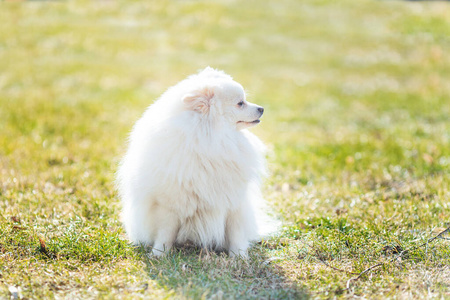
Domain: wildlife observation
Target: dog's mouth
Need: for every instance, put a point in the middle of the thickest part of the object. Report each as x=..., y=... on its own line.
x=249, y=123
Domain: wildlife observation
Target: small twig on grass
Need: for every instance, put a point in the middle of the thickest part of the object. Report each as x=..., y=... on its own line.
x=336, y=269
x=326, y=264
x=363, y=272
x=330, y=266
x=437, y=237
x=396, y=257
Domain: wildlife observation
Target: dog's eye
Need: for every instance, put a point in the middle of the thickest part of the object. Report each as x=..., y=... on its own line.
x=240, y=104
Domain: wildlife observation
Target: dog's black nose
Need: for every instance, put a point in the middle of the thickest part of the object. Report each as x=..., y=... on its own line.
x=261, y=110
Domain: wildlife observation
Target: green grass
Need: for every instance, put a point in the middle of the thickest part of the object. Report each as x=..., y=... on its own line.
x=357, y=123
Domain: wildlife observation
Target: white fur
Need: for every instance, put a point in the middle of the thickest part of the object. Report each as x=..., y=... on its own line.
x=192, y=172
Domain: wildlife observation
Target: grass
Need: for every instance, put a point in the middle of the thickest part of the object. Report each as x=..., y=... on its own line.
x=357, y=123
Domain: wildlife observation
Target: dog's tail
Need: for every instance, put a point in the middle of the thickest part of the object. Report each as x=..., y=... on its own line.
x=267, y=224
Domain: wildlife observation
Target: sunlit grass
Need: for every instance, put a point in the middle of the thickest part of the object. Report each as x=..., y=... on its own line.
x=357, y=124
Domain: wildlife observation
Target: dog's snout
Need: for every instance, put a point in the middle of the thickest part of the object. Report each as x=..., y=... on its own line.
x=261, y=110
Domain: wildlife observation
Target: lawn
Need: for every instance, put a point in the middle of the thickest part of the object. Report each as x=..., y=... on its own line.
x=357, y=121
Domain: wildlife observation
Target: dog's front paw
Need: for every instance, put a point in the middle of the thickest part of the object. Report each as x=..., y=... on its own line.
x=238, y=252
x=157, y=253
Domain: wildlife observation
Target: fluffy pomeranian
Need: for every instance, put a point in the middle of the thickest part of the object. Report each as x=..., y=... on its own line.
x=192, y=171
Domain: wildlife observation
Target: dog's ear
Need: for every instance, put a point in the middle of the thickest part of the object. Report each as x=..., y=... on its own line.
x=199, y=100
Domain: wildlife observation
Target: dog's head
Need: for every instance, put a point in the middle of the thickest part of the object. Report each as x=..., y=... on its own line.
x=217, y=96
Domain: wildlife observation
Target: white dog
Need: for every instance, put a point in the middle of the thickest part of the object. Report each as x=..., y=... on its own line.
x=192, y=170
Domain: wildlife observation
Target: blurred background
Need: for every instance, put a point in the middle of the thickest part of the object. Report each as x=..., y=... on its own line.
x=328, y=72
x=355, y=95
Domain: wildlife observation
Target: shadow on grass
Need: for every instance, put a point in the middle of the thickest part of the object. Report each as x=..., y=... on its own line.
x=193, y=273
